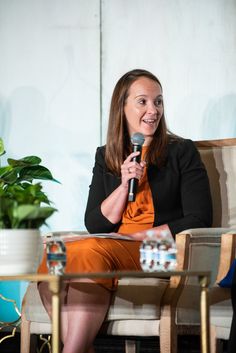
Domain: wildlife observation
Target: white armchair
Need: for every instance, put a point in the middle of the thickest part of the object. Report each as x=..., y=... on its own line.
x=202, y=246
x=152, y=307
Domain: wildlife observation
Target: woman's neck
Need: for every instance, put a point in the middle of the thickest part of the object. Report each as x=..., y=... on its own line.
x=148, y=140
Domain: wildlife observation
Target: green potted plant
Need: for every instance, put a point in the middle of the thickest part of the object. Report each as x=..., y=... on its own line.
x=24, y=208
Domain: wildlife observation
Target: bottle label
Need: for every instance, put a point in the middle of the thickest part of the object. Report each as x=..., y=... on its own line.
x=56, y=256
x=157, y=255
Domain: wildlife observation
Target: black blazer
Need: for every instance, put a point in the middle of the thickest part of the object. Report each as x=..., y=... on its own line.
x=180, y=191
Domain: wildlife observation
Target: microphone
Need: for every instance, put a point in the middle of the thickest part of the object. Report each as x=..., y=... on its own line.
x=137, y=141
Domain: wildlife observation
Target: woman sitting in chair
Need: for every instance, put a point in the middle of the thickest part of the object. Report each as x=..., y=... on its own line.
x=173, y=195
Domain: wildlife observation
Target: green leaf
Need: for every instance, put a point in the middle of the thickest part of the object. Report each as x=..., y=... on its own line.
x=24, y=162
x=20, y=199
x=31, y=212
x=2, y=150
x=6, y=207
x=9, y=177
x=36, y=172
x=5, y=170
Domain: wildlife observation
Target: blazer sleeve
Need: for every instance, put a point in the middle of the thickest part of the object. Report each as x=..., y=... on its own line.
x=194, y=190
x=95, y=221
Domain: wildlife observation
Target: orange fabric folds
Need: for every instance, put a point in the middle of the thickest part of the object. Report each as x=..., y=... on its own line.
x=139, y=215
x=100, y=255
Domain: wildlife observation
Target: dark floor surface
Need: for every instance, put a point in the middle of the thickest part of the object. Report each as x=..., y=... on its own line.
x=186, y=344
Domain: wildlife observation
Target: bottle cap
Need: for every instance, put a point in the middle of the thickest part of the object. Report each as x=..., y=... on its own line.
x=150, y=233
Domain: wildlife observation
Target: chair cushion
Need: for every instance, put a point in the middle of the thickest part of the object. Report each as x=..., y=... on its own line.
x=34, y=309
x=221, y=314
x=135, y=299
x=132, y=328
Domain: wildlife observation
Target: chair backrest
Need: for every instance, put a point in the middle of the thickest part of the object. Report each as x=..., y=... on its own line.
x=200, y=249
x=219, y=157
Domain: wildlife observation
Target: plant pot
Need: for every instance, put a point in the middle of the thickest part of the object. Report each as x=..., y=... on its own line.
x=21, y=251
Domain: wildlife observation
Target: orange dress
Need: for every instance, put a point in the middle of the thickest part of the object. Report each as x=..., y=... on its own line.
x=139, y=215
x=107, y=255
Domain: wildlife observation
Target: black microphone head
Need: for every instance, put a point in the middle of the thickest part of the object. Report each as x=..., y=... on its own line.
x=137, y=139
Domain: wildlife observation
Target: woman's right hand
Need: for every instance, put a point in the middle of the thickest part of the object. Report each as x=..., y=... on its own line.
x=131, y=169
x=114, y=205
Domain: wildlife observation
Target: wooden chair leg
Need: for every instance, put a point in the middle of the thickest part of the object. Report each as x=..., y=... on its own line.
x=130, y=346
x=168, y=331
x=24, y=334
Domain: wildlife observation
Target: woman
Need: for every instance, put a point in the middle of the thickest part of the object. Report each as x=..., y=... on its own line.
x=173, y=195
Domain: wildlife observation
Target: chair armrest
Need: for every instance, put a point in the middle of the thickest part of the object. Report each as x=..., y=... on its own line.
x=205, y=231
x=189, y=241
x=198, y=249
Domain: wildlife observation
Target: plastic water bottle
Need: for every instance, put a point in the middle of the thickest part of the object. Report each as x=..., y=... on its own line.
x=56, y=256
x=158, y=252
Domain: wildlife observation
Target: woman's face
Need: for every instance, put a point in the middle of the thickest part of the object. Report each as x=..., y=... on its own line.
x=144, y=108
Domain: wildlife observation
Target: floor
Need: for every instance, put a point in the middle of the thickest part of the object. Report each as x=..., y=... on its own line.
x=186, y=344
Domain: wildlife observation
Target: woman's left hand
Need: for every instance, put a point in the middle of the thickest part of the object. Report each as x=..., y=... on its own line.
x=158, y=232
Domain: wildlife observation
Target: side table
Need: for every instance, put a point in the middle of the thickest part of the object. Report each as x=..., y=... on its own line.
x=55, y=287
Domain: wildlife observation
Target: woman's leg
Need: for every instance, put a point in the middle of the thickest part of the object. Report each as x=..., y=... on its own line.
x=46, y=297
x=84, y=307
x=86, y=303
x=85, y=310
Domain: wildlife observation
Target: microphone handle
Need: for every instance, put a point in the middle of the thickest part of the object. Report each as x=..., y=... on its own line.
x=133, y=183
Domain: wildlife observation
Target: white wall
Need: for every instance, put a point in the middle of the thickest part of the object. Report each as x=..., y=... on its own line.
x=51, y=52
x=190, y=45
x=49, y=93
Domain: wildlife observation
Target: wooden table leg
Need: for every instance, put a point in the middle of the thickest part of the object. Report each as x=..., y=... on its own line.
x=55, y=287
x=204, y=309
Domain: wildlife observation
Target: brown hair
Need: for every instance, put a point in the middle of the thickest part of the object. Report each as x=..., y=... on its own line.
x=118, y=145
